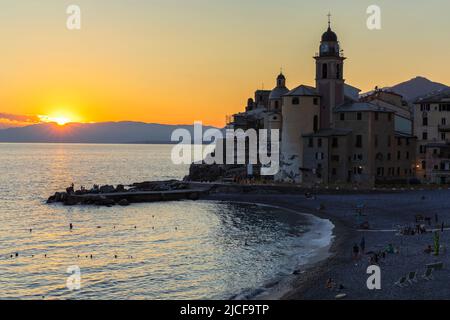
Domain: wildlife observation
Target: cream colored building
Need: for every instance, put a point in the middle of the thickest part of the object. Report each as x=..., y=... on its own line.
x=403, y=118
x=331, y=135
x=301, y=114
x=363, y=148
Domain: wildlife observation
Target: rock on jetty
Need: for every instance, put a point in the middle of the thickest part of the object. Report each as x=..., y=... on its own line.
x=201, y=172
x=108, y=195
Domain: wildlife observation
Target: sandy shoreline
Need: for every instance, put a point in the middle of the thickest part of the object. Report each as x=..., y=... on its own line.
x=384, y=212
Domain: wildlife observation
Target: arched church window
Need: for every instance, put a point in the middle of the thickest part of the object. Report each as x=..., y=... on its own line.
x=338, y=71
x=295, y=100
x=276, y=105
x=324, y=71
x=316, y=123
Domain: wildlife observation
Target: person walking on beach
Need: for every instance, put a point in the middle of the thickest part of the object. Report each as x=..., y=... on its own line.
x=363, y=245
x=329, y=285
x=355, y=252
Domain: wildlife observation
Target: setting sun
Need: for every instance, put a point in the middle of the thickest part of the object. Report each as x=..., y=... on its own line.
x=58, y=118
x=61, y=121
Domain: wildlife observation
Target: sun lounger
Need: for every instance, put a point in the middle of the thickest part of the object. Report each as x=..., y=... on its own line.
x=439, y=266
x=402, y=282
x=436, y=266
x=412, y=277
x=428, y=275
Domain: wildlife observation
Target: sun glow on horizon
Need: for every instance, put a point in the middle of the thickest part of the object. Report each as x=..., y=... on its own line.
x=60, y=118
x=91, y=76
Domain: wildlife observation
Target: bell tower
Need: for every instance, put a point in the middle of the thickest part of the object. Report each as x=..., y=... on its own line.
x=329, y=75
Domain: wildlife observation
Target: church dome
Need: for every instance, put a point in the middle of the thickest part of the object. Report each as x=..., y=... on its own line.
x=329, y=36
x=278, y=92
x=280, y=89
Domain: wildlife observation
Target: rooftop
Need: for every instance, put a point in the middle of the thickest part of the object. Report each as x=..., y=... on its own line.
x=278, y=92
x=329, y=132
x=355, y=106
x=435, y=97
x=303, y=90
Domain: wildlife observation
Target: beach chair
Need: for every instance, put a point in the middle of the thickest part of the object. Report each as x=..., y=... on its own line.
x=428, y=275
x=360, y=206
x=439, y=266
x=436, y=266
x=402, y=282
x=412, y=277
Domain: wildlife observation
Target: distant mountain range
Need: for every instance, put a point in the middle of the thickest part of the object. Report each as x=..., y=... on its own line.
x=415, y=88
x=101, y=132
x=418, y=87
x=139, y=132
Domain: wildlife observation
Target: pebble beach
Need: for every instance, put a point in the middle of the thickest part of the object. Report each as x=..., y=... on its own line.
x=386, y=212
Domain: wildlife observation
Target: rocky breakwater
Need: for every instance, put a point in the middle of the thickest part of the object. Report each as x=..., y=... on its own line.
x=108, y=195
x=201, y=172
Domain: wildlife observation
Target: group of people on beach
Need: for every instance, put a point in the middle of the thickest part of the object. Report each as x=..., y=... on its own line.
x=332, y=285
x=249, y=180
x=410, y=231
x=421, y=228
x=374, y=257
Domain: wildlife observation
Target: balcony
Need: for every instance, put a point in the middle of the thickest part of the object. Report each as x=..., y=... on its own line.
x=444, y=128
x=440, y=172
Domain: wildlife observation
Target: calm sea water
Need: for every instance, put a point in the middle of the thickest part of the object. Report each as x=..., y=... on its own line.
x=176, y=250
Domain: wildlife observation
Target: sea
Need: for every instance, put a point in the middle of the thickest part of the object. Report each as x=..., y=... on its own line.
x=168, y=250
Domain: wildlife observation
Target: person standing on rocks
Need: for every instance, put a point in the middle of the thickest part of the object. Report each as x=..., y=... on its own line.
x=362, y=245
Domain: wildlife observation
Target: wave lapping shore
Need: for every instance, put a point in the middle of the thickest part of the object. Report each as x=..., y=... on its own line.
x=374, y=217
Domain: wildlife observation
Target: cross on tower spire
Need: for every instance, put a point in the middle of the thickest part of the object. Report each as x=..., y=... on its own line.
x=329, y=20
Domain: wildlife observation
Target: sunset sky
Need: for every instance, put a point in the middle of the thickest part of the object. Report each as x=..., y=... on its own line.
x=176, y=61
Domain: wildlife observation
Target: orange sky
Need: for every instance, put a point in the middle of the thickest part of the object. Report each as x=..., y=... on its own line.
x=174, y=61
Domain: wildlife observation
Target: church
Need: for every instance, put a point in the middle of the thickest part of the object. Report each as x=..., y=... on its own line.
x=330, y=134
